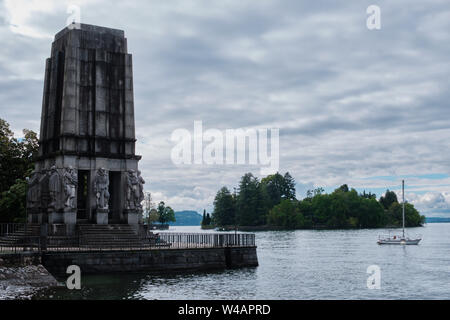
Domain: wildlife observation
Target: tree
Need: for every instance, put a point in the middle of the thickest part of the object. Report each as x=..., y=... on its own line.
x=289, y=187
x=148, y=206
x=13, y=202
x=203, y=223
x=342, y=209
x=166, y=214
x=273, y=186
x=372, y=214
x=153, y=216
x=287, y=215
x=251, y=202
x=16, y=163
x=17, y=157
x=314, y=192
x=388, y=199
x=369, y=195
x=224, y=213
x=208, y=219
x=343, y=188
x=278, y=187
x=412, y=216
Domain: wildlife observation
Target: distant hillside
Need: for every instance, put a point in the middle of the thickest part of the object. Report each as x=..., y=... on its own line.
x=436, y=220
x=187, y=218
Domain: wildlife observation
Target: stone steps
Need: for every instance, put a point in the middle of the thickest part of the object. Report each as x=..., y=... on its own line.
x=20, y=235
x=88, y=236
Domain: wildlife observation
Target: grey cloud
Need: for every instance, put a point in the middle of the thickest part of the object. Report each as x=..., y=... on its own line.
x=349, y=102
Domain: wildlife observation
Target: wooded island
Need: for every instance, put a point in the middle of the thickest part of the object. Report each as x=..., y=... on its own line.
x=272, y=203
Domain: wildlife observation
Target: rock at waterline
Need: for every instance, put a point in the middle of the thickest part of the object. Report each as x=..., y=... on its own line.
x=18, y=282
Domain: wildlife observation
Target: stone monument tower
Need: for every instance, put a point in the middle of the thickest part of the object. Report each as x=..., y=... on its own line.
x=87, y=170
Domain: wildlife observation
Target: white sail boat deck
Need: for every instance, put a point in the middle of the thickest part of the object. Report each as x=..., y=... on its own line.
x=402, y=239
x=398, y=240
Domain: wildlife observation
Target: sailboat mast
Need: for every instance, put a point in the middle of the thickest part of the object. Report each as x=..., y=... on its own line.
x=403, y=206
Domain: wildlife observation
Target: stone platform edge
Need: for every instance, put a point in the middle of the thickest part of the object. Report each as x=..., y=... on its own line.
x=151, y=261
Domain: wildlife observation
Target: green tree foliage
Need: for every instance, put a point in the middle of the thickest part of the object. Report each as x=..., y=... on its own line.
x=289, y=187
x=224, y=208
x=13, y=202
x=346, y=208
x=166, y=214
x=314, y=192
x=208, y=219
x=251, y=202
x=278, y=187
x=16, y=157
x=204, y=218
x=16, y=163
x=388, y=199
x=412, y=216
x=286, y=214
x=272, y=202
x=153, y=216
x=343, y=188
x=369, y=195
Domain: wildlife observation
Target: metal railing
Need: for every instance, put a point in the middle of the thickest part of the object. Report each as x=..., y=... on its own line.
x=163, y=240
x=206, y=240
x=9, y=242
x=23, y=244
x=11, y=228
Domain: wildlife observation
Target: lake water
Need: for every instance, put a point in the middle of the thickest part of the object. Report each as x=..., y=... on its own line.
x=302, y=264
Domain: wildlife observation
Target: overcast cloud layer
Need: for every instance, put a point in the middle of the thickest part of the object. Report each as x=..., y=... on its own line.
x=354, y=106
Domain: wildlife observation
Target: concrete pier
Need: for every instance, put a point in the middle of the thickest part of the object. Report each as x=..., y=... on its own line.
x=151, y=261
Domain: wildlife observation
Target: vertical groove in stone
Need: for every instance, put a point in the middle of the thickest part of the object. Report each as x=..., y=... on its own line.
x=58, y=101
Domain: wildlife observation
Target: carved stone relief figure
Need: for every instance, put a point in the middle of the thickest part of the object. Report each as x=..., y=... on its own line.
x=141, y=183
x=33, y=198
x=70, y=181
x=54, y=188
x=101, y=184
x=132, y=189
x=44, y=197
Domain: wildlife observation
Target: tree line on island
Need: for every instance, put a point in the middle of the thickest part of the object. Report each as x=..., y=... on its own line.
x=272, y=203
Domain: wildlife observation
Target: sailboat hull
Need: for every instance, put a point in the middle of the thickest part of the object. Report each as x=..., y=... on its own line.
x=399, y=241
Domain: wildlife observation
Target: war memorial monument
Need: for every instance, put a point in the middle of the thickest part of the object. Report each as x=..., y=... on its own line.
x=87, y=170
x=84, y=195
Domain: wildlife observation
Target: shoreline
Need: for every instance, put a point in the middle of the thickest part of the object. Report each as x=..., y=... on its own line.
x=22, y=279
x=276, y=228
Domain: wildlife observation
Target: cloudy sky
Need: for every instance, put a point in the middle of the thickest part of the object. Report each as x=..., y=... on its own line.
x=356, y=106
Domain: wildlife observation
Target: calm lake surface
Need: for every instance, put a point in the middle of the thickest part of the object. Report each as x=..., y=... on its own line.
x=303, y=264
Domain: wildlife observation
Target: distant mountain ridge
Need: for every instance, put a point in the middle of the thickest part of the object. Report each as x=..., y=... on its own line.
x=187, y=218
x=436, y=220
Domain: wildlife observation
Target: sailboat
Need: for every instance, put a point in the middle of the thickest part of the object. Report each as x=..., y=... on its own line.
x=403, y=240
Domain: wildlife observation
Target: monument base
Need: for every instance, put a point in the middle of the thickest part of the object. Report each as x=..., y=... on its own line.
x=55, y=217
x=63, y=223
x=101, y=216
x=35, y=218
x=70, y=220
x=132, y=216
